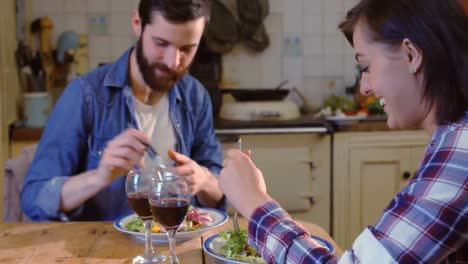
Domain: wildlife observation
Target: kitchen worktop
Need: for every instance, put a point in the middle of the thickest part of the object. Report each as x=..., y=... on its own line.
x=304, y=124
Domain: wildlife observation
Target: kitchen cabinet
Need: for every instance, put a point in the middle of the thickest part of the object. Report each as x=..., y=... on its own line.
x=9, y=85
x=296, y=168
x=369, y=169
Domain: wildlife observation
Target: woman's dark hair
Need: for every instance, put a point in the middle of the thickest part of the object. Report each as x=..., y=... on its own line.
x=176, y=11
x=439, y=28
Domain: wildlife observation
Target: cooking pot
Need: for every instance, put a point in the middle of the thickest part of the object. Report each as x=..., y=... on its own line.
x=243, y=95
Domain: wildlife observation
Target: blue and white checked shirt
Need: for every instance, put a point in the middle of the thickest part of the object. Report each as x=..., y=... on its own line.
x=426, y=222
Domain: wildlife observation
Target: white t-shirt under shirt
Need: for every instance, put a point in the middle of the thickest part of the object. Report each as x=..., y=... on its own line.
x=154, y=120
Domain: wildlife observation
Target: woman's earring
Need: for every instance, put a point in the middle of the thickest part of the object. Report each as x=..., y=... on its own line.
x=413, y=69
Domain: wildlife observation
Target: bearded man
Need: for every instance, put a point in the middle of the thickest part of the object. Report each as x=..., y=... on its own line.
x=104, y=120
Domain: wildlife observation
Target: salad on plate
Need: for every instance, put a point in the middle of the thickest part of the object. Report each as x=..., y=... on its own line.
x=194, y=220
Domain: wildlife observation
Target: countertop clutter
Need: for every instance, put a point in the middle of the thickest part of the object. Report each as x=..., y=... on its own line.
x=303, y=124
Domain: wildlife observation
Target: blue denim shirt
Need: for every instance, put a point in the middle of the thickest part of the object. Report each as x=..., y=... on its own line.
x=92, y=110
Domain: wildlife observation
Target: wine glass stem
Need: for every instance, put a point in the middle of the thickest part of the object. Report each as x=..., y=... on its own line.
x=149, y=251
x=172, y=245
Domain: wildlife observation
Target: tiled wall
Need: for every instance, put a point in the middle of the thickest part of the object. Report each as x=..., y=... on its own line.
x=306, y=47
x=107, y=23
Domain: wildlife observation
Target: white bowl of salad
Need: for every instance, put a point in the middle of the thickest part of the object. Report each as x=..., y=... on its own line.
x=232, y=248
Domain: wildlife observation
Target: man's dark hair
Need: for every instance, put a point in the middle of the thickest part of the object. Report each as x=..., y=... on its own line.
x=176, y=11
x=439, y=29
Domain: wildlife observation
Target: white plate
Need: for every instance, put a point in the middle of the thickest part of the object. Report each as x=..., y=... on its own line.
x=219, y=218
x=213, y=244
x=346, y=120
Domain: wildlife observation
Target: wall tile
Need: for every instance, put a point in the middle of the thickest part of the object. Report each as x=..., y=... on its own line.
x=323, y=55
x=121, y=5
x=313, y=7
x=37, y=9
x=293, y=17
x=314, y=66
x=293, y=71
x=274, y=23
x=134, y=4
x=120, y=45
x=331, y=22
x=277, y=6
x=120, y=25
x=314, y=90
x=231, y=69
x=54, y=7
x=334, y=65
x=333, y=45
x=350, y=71
x=271, y=72
x=98, y=6
x=313, y=24
x=75, y=7
x=348, y=4
x=250, y=64
x=98, y=23
x=95, y=61
x=333, y=6
x=313, y=45
x=59, y=27
x=76, y=22
x=100, y=46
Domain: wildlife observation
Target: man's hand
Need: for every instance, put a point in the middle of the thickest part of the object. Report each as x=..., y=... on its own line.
x=197, y=177
x=121, y=154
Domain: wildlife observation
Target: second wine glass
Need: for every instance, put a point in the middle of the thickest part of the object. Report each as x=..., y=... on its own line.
x=137, y=186
x=169, y=198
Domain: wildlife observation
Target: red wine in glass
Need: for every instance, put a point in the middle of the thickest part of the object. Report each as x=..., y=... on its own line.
x=170, y=212
x=169, y=198
x=140, y=204
x=137, y=185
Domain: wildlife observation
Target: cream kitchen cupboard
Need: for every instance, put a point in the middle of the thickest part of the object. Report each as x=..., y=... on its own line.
x=369, y=169
x=296, y=168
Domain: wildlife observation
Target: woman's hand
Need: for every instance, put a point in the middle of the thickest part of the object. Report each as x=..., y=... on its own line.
x=242, y=183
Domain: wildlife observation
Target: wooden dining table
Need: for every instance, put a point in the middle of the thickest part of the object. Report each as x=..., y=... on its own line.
x=97, y=242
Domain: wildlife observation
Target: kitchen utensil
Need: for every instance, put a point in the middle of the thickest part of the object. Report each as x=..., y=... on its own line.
x=68, y=40
x=244, y=95
x=235, y=221
x=44, y=27
x=306, y=107
x=275, y=94
x=259, y=110
x=81, y=60
x=36, y=109
x=152, y=153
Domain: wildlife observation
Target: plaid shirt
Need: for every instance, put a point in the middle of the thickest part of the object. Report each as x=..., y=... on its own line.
x=426, y=222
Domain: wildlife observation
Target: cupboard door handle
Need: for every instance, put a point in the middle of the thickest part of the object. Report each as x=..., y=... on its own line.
x=310, y=163
x=406, y=175
x=309, y=196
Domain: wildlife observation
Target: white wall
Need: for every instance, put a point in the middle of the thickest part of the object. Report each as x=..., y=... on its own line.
x=306, y=47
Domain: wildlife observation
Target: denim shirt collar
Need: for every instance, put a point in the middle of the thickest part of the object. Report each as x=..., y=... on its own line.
x=119, y=76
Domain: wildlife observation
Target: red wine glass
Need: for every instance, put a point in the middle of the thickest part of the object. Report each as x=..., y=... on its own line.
x=169, y=199
x=137, y=186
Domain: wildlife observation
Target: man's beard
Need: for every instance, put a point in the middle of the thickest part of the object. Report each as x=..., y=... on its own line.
x=150, y=76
